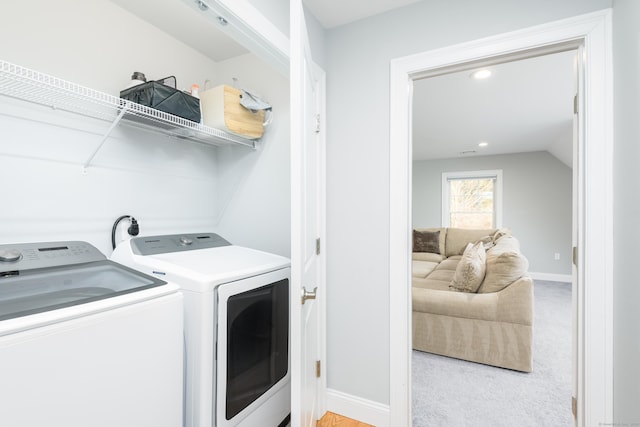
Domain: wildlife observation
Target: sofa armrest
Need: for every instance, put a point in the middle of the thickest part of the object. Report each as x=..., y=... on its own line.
x=455, y=304
x=513, y=304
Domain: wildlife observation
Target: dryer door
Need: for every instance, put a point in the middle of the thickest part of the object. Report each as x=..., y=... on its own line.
x=252, y=347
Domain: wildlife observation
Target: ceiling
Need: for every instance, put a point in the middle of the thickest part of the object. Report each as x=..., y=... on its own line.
x=332, y=13
x=183, y=21
x=524, y=106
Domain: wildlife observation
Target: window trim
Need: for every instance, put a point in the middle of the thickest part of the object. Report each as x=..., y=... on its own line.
x=447, y=176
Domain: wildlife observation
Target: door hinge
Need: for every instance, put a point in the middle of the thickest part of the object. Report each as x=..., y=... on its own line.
x=318, y=246
x=574, y=407
x=318, y=369
x=317, y=123
x=575, y=104
x=575, y=256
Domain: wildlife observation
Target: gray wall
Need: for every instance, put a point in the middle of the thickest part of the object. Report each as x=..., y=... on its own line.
x=358, y=56
x=536, y=202
x=626, y=339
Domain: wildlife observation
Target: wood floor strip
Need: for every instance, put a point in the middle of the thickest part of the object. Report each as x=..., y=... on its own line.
x=334, y=420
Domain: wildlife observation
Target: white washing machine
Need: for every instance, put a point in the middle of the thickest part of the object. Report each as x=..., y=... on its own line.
x=85, y=341
x=236, y=325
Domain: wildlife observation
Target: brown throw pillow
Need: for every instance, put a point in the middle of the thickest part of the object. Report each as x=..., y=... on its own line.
x=426, y=241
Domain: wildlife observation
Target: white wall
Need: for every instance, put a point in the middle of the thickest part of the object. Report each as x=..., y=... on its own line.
x=626, y=339
x=96, y=44
x=536, y=202
x=255, y=194
x=169, y=185
x=276, y=11
x=358, y=58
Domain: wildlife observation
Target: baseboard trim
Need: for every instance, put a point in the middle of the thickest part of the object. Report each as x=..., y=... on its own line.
x=357, y=408
x=551, y=277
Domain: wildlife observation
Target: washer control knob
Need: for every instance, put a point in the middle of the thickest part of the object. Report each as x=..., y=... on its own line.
x=10, y=255
x=185, y=241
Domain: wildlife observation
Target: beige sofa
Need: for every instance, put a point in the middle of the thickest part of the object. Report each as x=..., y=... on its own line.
x=473, y=300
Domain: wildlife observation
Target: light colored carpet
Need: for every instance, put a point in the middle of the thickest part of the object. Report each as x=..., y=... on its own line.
x=449, y=392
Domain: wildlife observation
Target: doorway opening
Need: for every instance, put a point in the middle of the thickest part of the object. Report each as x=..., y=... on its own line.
x=594, y=391
x=513, y=129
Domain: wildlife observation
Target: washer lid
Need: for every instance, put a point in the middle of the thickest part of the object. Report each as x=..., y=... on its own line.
x=38, y=290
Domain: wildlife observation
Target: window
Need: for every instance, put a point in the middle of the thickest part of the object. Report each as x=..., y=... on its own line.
x=472, y=199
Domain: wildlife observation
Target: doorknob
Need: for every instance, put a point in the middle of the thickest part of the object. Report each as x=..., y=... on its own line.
x=308, y=294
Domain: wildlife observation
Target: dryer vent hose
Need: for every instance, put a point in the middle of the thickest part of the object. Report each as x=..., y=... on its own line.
x=133, y=229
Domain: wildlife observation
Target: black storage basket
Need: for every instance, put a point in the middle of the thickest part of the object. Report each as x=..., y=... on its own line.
x=164, y=98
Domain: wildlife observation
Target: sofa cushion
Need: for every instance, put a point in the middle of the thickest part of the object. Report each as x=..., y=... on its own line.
x=429, y=283
x=442, y=275
x=500, y=233
x=489, y=241
x=422, y=268
x=450, y=263
x=426, y=241
x=427, y=256
x=505, y=265
x=457, y=239
x=471, y=269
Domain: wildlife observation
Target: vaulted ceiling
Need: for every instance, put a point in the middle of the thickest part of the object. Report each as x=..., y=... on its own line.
x=526, y=105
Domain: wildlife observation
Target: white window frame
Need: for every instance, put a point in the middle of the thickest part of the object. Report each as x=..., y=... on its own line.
x=497, y=192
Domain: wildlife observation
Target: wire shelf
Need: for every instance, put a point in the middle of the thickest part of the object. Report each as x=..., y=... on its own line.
x=33, y=86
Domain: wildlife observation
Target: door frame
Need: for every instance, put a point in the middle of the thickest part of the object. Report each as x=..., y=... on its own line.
x=595, y=212
x=299, y=52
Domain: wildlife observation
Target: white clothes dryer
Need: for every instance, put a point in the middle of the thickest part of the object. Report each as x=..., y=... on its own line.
x=236, y=325
x=85, y=341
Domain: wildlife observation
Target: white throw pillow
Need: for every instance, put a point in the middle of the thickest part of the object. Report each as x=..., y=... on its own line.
x=471, y=269
x=505, y=265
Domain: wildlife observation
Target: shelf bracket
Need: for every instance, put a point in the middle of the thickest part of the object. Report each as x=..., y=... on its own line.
x=121, y=114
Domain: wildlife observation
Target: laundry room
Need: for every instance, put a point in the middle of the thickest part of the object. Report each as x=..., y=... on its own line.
x=69, y=175
x=144, y=238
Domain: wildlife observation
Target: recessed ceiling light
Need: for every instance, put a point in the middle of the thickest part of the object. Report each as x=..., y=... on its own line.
x=483, y=144
x=481, y=74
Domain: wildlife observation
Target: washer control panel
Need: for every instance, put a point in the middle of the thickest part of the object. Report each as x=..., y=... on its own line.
x=30, y=256
x=153, y=245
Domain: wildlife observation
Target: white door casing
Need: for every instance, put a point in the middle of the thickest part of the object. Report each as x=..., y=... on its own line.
x=307, y=222
x=576, y=220
x=595, y=215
